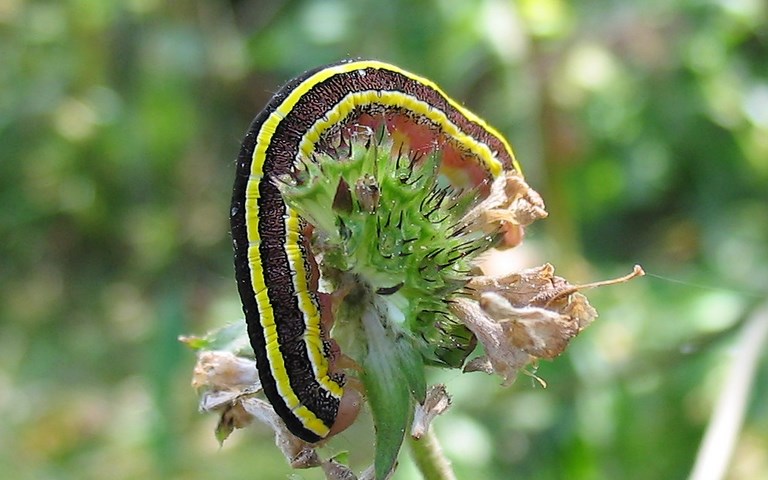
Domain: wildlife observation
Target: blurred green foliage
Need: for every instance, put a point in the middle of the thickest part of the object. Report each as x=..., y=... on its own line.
x=643, y=124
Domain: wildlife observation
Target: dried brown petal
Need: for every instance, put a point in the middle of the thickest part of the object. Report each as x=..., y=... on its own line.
x=524, y=202
x=495, y=199
x=524, y=316
x=218, y=400
x=233, y=416
x=337, y=471
x=539, y=332
x=479, y=364
x=511, y=203
x=436, y=402
x=230, y=382
x=219, y=370
x=505, y=360
x=580, y=310
x=299, y=453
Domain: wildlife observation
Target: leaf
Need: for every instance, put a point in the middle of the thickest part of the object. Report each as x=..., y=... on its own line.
x=388, y=388
x=231, y=338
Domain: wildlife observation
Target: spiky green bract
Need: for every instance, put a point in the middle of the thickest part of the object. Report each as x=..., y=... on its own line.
x=389, y=237
x=409, y=245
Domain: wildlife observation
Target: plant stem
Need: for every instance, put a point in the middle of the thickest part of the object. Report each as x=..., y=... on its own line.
x=429, y=457
x=722, y=435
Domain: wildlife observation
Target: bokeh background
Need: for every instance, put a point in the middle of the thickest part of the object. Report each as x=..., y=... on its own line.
x=643, y=124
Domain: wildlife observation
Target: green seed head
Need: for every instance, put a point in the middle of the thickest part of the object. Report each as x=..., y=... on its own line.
x=392, y=223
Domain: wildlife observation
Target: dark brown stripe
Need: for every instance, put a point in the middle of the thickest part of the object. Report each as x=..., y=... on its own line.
x=277, y=274
x=320, y=98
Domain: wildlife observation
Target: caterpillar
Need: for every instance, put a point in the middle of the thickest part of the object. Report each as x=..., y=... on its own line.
x=275, y=270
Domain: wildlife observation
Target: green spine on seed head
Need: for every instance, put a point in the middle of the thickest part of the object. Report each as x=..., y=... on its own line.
x=393, y=221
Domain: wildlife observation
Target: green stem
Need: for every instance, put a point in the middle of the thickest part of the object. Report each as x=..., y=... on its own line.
x=429, y=457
